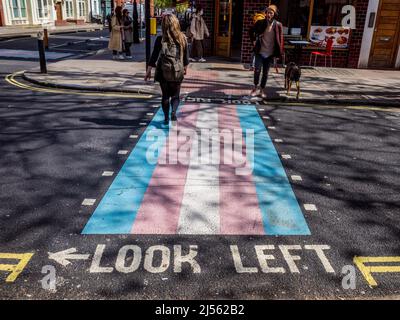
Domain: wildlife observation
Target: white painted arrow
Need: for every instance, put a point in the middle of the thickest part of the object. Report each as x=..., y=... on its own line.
x=62, y=257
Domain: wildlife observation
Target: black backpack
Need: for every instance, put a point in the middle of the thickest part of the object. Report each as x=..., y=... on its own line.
x=170, y=62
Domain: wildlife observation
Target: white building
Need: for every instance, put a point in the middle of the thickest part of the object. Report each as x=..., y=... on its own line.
x=45, y=12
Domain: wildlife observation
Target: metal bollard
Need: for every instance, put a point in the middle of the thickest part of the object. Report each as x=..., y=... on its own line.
x=42, y=57
x=46, y=39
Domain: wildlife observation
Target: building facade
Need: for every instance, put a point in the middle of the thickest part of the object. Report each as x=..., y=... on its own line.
x=371, y=42
x=44, y=12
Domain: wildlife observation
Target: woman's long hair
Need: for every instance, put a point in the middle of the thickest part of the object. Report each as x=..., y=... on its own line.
x=118, y=12
x=171, y=32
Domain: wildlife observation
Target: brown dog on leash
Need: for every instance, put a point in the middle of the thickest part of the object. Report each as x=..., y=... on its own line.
x=292, y=73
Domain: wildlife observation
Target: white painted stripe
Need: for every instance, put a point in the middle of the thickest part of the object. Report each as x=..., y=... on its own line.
x=107, y=173
x=286, y=156
x=265, y=117
x=150, y=113
x=296, y=178
x=133, y=136
x=278, y=140
x=310, y=207
x=88, y=202
x=143, y=123
x=260, y=109
x=123, y=152
x=271, y=128
x=199, y=213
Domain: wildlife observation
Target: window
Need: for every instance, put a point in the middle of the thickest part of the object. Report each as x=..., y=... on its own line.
x=43, y=8
x=69, y=9
x=328, y=12
x=81, y=5
x=18, y=8
x=95, y=7
x=294, y=15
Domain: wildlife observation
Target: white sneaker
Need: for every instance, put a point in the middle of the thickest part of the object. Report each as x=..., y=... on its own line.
x=202, y=60
x=192, y=60
x=253, y=92
x=263, y=94
x=121, y=57
x=115, y=57
x=129, y=57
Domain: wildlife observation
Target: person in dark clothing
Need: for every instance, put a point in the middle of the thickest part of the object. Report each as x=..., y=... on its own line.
x=267, y=38
x=171, y=39
x=128, y=32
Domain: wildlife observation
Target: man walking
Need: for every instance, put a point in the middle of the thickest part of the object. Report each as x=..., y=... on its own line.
x=267, y=38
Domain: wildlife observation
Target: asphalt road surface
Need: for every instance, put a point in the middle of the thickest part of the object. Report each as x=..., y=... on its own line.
x=342, y=180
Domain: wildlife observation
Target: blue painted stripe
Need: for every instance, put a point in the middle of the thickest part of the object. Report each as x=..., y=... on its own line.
x=117, y=210
x=278, y=204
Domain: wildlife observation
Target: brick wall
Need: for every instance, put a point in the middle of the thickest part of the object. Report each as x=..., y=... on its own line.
x=356, y=35
x=250, y=8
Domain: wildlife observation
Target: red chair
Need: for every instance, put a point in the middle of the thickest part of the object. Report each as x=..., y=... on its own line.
x=326, y=53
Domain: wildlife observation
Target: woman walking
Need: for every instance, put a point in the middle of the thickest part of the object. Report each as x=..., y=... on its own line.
x=267, y=38
x=116, y=43
x=128, y=32
x=170, y=59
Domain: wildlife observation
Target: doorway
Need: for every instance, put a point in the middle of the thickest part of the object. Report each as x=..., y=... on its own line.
x=59, y=11
x=386, y=39
x=229, y=28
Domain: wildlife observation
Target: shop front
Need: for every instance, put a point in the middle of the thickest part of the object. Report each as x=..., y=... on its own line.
x=309, y=20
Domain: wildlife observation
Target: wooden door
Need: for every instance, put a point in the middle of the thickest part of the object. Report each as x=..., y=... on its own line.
x=385, y=42
x=223, y=28
x=59, y=11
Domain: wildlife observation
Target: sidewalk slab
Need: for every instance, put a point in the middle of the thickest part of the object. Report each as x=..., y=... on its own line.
x=218, y=79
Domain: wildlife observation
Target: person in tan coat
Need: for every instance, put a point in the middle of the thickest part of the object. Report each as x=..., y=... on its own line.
x=198, y=30
x=116, y=43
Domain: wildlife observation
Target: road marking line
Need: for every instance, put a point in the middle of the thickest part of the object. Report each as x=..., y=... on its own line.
x=133, y=136
x=278, y=140
x=310, y=207
x=150, y=114
x=272, y=128
x=117, y=210
x=123, y=152
x=11, y=80
x=286, y=156
x=15, y=269
x=199, y=212
x=280, y=209
x=265, y=117
x=107, y=173
x=368, y=270
x=88, y=202
x=296, y=178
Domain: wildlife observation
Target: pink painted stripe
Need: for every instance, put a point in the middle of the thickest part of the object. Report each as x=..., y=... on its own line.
x=239, y=208
x=159, y=211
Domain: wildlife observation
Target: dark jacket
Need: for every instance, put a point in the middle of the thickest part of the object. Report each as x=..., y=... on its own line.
x=259, y=28
x=156, y=53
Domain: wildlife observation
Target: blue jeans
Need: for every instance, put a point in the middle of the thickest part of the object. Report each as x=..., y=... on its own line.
x=262, y=64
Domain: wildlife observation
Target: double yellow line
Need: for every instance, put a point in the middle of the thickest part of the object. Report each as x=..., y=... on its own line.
x=11, y=80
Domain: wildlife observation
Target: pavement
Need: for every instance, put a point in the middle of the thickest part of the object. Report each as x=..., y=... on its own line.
x=31, y=31
x=220, y=79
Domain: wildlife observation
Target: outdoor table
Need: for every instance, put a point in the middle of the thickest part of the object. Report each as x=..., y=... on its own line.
x=299, y=44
